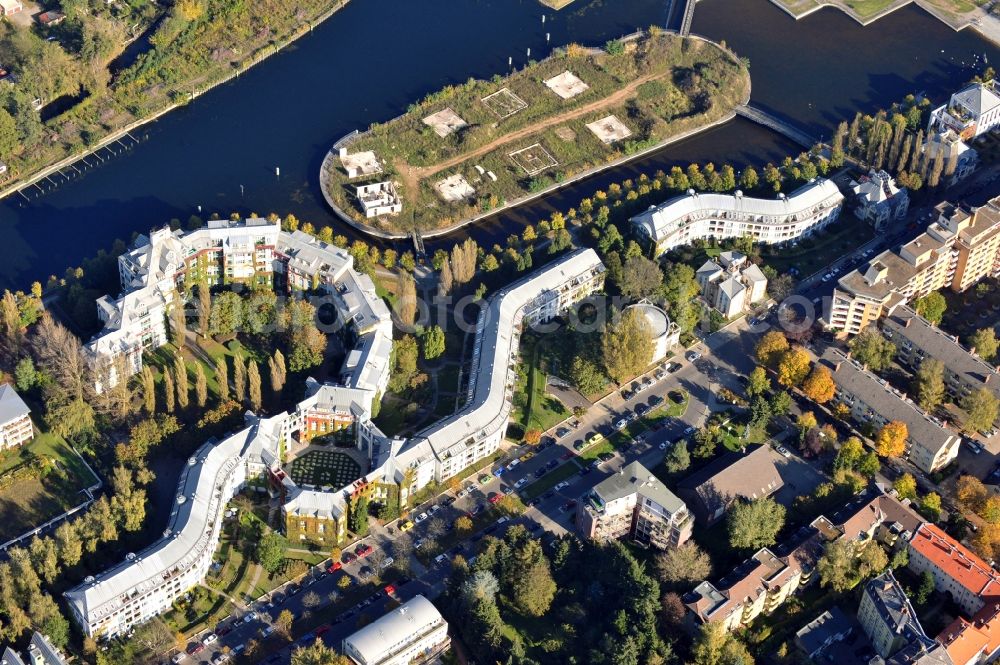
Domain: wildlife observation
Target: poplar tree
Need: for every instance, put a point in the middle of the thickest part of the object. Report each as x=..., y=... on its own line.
x=239, y=378
x=853, y=132
x=179, y=320
x=168, y=390
x=253, y=383
x=148, y=390
x=918, y=147
x=180, y=372
x=200, y=385
x=222, y=378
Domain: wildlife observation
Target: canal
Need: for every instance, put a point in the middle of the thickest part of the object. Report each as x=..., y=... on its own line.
x=369, y=61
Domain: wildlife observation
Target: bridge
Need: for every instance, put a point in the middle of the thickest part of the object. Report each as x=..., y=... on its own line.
x=784, y=128
x=680, y=16
x=688, y=17
x=418, y=243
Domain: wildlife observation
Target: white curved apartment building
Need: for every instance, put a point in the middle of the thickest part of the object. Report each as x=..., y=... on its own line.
x=147, y=584
x=769, y=221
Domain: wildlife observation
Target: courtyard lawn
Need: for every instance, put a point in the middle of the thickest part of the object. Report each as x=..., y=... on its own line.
x=816, y=252
x=325, y=468
x=33, y=501
x=533, y=407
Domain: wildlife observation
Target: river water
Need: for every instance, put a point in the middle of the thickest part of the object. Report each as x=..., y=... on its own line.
x=371, y=59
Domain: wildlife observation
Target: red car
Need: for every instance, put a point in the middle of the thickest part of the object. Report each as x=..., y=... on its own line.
x=322, y=630
x=494, y=497
x=197, y=648
x=363, y=550
x=334, y=567
x=389, y=589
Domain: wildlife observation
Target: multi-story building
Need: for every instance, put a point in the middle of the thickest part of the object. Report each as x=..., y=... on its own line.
x=956, y=251
x=413, y=633
x=971, y=112
x=917, y=339
x=719, y=216
x=732, y=284
x=957, y=571
x=873, y=401
x=15, y=419
x=878, y=200
x=960, y=159
x=975, y=640
x=888, y=618
x=634, y=504
x=40, y=652
x=148, y=582
x=766, y=580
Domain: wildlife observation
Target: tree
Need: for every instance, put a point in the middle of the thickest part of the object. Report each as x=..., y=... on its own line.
x=717, y=646
x=533, y=436
x=930, y=383
x=891, y=439
x=906, y=486
x=9, y=140
x=755, y=524
x=318, y=654
x=239, y=378
x=845, y=563
x=870, y=348
x=270, y=551
x=464, y=525
x=930, y=505
x=971, y=493
x=178, y=320
x=984, y=343
x=168, y=390
x=804, y=423
x=357, y=517
x=685, y=563
x=793, y=366
x=757, y=382
x=277, y=382
x=222, y=378
x=677, y=459
x=587, y=376
x=253, y=385
x=819, y=386
x=640, y=278
x=680, y=290
x=68, y=541
x=200, y=385
x=284, y=623
x=534, y=587
x=627, y=346
x=226, y=317
x=981, y=410
x=204, y=308
x=433, y=342
x=931, y=306
x=148, y=390
x=304, y=340
x=749, y=179
x=406, y=302
x=770, y=348
x=181, y=378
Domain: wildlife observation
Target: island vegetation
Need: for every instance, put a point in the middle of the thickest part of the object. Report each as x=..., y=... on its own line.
x=503, y=139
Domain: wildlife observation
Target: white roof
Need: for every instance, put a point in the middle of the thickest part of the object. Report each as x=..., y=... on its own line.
x=668, y=217
x=193, y=521
x=659, y=322
x=876, y=187
x=978, y=98
x=11, y=404
x=402, y=625
x=496, y=354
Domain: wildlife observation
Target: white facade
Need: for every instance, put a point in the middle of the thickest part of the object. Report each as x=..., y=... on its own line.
x=15, y=419
x=770, y=221
x=971, y=112
x=878, y=200
x=666, y=334
x=411, y=634
x=732, y=284
x=379, y=198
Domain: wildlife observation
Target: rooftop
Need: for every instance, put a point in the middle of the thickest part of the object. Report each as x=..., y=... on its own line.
x=956, y=561
x=632, y=479
x=377, y=641
x=11, y=404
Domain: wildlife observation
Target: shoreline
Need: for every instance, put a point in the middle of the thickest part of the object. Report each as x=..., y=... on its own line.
x=372, y=231
x=969, y=22
x=24, y=182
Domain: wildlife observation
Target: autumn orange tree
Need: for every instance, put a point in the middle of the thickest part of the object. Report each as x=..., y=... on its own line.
x=793, y=366
x=819, y=386
x=533, y=436
x=770, y=348
x=891, y=439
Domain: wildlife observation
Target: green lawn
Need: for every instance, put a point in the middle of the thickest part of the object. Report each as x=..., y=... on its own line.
x=820, y=250
x=867, y=8
x=534, y=408
x=325, y=468
x=551, y=479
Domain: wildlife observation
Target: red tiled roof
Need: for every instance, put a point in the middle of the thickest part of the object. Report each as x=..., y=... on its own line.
x=955, y=560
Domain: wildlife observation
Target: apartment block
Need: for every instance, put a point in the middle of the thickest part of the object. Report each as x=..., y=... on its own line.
x=871, y=400
x=40, y=652
x=888, y=618
x=958, y=249
x=957, y=571
x=971, y=112
x=634, y=504
x=413, y=633
x=917, y=339
x=732, y=284
x=15, y=420
x=697, y=216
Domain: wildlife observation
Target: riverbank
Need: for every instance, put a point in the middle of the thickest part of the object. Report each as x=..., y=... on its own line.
x=180, y=98
x=572, y=115
x=956, y=14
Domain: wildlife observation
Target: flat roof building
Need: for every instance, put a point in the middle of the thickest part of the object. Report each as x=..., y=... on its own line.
x=413, y=633
x=696, y=216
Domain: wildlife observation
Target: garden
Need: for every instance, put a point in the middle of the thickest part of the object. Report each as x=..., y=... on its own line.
x=325, y=468
x=473, y=147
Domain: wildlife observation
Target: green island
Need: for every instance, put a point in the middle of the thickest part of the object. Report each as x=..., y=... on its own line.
x=955, y=13
x=476, y=147
x=75, y=80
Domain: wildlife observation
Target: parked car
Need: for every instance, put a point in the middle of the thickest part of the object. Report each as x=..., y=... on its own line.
x=606, y=457
x=783, y=451
x=596, y=437
x=692, y=355
x=195, y=648
x=562, y=431
x=349, y=557
x=178, y=657
x=498, y=471
x=209, y=638
x=406, y=525
x=641, y=409
x=621, y=423
x=514, y=462
x=363, y=550
x=485, y=478
x=561, y=486
x=552, y=464
x=663, y=446
x=521, y=483
x=388, y=562
x=420, y=518
x=250, y=617
x=540, y=472
x=268, y=630
x=494, y=497
x=689, y=430
x=655, y=400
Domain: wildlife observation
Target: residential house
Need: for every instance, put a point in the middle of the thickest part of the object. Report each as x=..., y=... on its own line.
x=878, y=200
x=960, y=159
x=9, y=7
x=872, y=401
x=957, y=571
x=15, y=419
x=41, y=651
x=887, y=617
x=704, y=216
x=829, y=627
x=634, y=504
x=748, y=474
x=732, y=284
x=971, y=112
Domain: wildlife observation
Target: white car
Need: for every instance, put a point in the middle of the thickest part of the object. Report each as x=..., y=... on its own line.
x=209, y=639
x=693, y=355
x=388, y=562
x=178, y=658
x=620, y=424
x=563, y=485
x=420, y=518
x=461, y=493
x=521, y=483
x=514, y=462
x=268, y=630
x=433, y=509
x=418, y=544
x=689, y=431
x=252, y=616
x=784, y=452
x=663, y=446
